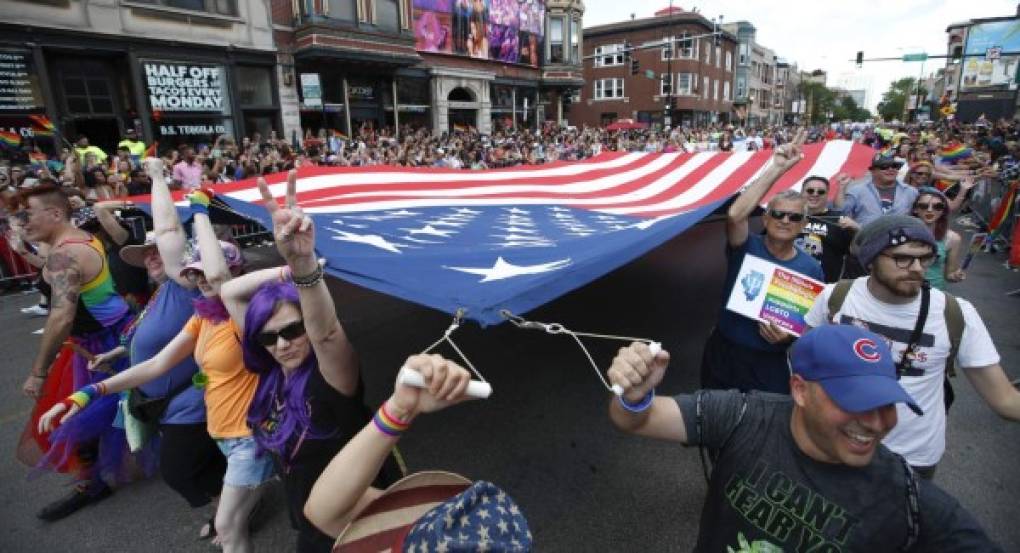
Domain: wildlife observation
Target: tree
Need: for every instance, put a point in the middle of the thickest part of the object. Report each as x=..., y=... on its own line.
x=820, y=101
x=846, y=109
x=896, y=98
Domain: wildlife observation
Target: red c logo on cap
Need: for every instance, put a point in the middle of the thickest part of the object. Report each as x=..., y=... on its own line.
x=867, y=350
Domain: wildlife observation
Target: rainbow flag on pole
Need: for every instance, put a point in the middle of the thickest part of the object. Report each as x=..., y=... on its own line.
x=1003, y=212
x=10, y=139
x=42, y=126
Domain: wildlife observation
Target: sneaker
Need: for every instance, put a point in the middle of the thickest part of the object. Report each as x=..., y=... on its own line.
x=84, y=493
x=36, y=310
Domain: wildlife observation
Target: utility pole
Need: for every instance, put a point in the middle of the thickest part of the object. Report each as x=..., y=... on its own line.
x=668, y=120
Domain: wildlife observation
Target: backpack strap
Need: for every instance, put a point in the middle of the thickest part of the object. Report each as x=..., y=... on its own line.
x=838, y=295
x=954, y=325
x=913, y=506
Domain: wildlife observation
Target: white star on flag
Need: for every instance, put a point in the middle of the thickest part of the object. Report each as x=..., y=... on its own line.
x=501, y=269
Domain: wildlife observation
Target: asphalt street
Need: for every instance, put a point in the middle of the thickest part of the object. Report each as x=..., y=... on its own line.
x=544, y=435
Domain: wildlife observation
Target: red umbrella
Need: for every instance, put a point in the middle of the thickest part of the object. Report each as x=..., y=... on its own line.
x=626, y=125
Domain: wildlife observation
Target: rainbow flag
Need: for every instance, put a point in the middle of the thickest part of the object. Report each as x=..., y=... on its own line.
x=152, y=150
x=43, y=125
x=10, y=139
x=953, y=152
x=1002, y=214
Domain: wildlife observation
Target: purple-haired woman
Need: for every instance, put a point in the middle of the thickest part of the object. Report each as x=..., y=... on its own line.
x=308, y=402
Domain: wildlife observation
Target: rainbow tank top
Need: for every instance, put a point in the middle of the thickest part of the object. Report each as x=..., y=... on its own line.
x=99, y=304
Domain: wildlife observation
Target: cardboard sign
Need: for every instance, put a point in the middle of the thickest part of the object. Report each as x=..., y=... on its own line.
x=769, y=293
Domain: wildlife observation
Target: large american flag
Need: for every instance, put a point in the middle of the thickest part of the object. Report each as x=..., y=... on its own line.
x=517, y=238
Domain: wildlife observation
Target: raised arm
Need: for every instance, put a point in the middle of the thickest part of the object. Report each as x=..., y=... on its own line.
x=109, y=220
x=786, y=156
x=638, y=372
x=238, y=291
x=173, y=353
x=214, y=265
x=170, y=237
x=343, y=489
x=295, y=239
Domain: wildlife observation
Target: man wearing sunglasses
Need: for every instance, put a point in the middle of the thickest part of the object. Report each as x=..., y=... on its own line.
x=743, y=353
x=824, y=236
x=881, y=195
x=897, y=250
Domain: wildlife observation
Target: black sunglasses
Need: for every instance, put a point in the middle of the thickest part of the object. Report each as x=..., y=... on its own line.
x=793, y=216
x=883, y=166
x=290, y=332
x=815, y=191
x=923, y=206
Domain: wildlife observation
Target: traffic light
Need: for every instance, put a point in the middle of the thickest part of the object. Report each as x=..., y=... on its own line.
x=860, y=58
x=635, y=66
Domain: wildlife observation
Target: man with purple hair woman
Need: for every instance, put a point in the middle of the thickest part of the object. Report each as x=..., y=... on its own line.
x=212, y=338
x=309, y=400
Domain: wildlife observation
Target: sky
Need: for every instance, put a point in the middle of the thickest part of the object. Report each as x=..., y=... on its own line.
x=828, y=34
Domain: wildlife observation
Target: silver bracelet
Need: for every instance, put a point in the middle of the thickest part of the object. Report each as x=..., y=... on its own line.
x=308, y=281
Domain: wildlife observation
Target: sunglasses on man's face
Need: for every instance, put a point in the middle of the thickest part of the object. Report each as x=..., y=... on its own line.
x=815, y=191
x=290, y=332
x=792, y=216
x=884, y=166
x=924, y=206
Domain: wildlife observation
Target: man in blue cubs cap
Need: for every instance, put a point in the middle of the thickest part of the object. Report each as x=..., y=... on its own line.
x=806, y=470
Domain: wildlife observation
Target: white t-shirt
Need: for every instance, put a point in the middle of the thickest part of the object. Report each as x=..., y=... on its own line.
x=921, y=440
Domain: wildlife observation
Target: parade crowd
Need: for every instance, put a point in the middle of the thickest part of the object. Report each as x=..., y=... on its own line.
x=246, y=376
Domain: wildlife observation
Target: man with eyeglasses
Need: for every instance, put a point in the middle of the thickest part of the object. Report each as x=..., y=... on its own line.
x=881, y=195
x=897, y=250
x=742, y=353
x=824, y=236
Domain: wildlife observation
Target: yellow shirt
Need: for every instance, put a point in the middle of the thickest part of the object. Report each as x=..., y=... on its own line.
x=82, y=152
x=230, y=387
x=136, y=147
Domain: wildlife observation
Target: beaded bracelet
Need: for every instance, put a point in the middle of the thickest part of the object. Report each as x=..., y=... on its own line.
x=640, y=406
x=308, y=281
x=388, y=424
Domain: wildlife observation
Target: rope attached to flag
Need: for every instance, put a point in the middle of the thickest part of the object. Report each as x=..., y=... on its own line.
x=476, y=388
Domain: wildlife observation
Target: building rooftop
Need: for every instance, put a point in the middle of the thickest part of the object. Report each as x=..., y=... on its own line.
x=668, y=18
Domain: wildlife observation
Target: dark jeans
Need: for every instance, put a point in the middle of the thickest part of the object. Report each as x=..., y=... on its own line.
x=928, y=473
x=726, y=365
x=191, y=463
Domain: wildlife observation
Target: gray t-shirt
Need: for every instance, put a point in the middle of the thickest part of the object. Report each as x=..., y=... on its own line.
x=766, y=495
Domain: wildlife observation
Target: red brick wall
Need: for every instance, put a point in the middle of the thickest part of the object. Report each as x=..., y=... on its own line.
x=642, y=93
x=283, y=13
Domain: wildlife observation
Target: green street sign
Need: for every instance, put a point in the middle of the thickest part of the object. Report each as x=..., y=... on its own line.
x=650, y=74
x=915, y=57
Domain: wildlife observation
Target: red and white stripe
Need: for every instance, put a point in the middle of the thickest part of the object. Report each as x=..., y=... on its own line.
x=635, y=184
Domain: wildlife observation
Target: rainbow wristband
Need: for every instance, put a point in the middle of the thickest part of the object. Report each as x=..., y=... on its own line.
x=86, y=394
x=199, y=201
x=388, y=424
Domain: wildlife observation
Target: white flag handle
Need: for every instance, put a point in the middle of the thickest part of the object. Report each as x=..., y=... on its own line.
x=655, y=348
x=476, y=388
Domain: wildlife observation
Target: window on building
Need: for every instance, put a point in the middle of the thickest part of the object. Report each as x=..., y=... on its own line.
x=220, y=7
x=608, y=88
x=718, y=56
x=715, y=90
x=741, y=88
x=608, y=55
x=708, y=54
x=575, y=41
x=726, y=91
x=344, y=10
x=682, y=47
x=387, y=14
x=556, y=40
x=745, y=55
x=729, y=60
x=665, y=85
x=705, y=81
x=254, y=85
x=684, y=82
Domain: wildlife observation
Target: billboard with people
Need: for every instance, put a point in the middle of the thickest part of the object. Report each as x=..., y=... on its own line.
x=990, y=55
x=509, y=31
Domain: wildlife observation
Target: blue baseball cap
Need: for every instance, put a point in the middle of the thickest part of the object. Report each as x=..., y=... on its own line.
x=854, y=366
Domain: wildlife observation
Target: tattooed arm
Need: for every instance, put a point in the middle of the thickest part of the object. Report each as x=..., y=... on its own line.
x=63, y=273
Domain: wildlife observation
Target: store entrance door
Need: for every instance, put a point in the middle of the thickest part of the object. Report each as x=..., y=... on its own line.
x=101, y=131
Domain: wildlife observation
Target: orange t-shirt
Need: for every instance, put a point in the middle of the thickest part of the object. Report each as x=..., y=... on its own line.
x=231, y=387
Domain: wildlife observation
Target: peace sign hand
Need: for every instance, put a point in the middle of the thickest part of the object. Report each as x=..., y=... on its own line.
x=292, y=229
x=789, y=154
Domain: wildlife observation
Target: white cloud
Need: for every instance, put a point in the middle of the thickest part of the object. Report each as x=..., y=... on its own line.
x=827, y=35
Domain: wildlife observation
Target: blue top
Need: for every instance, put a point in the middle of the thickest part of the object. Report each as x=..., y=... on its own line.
x=863, y=203
x=738, y=328
x=164, y=320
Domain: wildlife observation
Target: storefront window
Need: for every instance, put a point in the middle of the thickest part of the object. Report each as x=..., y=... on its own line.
x=221, y=7
x=413, y=91
x=502, y=96
x=254, y=86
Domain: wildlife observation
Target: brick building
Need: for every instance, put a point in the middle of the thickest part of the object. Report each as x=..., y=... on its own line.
x=437, y=63
x=702, y=71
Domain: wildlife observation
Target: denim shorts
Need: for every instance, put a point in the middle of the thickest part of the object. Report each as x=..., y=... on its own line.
x=245, y=469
